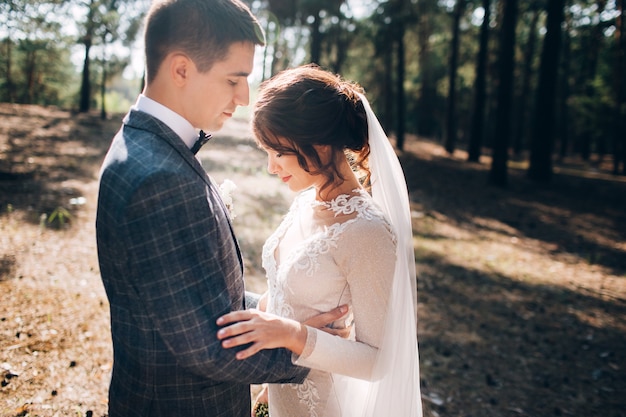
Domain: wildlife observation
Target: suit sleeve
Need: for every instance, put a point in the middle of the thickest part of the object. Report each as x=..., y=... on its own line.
x=181, y=260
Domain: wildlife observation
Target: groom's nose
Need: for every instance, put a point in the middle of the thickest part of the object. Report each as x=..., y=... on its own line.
x=242, y=94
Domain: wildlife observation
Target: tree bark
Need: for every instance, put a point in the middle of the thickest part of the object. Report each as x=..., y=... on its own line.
x=426, y=124
x=386, y=111
x=564, y=125
x=10, y=86
x=591, y=66
x=30, y=66
x=85, y=87
x=480, y=89
x=103, y=88
x=619, y=132
x=451, y=124
x=400, y=95
x=316, y=40
x=527, y=71
x=498, y=175
x=540, y=169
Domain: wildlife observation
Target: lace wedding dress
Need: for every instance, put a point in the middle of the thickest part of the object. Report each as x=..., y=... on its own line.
x=323, y=255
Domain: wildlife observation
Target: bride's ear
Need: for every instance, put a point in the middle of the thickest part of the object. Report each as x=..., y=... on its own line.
x=325, y=152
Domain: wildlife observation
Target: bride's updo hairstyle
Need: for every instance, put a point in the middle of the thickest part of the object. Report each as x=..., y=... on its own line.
x=306, y=106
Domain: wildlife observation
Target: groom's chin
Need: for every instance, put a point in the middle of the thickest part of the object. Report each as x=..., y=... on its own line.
x=216, y=125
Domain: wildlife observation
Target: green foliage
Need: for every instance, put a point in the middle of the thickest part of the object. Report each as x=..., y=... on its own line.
x=592, y=112
x=41, y=72
x=59, y=218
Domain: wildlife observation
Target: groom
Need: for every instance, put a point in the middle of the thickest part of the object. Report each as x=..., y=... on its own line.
x=168, y=257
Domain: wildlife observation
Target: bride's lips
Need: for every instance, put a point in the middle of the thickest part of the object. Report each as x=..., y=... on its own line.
x=285, y=179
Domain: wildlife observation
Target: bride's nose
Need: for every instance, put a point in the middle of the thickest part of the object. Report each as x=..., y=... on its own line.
x=272, y=167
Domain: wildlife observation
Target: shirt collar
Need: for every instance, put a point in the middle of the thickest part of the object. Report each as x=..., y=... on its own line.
x=173, y=120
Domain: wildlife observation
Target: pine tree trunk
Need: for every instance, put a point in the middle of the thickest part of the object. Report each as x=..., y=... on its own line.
x=592, y=66
x=10, y=87
x=451, y=116
x=31, y=58
x=521, y=131
x=85, y=87
x=480, y=89
x=498, y=174
x=400, y=99
x=619, y=133
x=103, y=111
x=425, y=110
x=564, y=124
x=316, y=40
x=540, y=169
x=387, y=90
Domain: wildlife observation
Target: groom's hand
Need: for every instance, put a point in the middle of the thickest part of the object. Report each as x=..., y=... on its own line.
x=322, y=320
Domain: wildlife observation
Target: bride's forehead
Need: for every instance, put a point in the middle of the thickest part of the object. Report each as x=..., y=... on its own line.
x=272, y=142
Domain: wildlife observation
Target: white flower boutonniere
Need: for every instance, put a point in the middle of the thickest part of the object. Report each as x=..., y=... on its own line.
x=226, y=189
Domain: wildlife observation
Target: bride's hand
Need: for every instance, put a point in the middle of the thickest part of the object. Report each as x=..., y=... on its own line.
x=323, y=320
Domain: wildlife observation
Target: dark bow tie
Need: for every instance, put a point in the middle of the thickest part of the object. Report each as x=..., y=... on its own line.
x=202, y=139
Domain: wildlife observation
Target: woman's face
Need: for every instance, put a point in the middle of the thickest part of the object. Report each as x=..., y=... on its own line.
x=287, y=168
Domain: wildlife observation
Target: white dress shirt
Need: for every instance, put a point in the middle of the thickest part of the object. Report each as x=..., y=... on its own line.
x=173, y=120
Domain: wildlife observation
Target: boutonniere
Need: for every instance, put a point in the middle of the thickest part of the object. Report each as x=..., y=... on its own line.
x=226, y=189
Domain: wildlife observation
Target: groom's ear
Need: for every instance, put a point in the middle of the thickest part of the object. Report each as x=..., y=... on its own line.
x=180, y=67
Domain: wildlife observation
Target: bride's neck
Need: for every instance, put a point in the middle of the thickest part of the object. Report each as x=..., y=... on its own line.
x=340, y=187
x=347, y=185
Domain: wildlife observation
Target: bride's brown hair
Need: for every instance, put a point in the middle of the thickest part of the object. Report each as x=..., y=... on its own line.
x=306, y=106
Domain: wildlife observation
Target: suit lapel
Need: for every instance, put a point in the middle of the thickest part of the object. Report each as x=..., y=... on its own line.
x=144, y=121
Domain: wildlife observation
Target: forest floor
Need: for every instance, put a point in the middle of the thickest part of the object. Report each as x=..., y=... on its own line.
x=522, y=291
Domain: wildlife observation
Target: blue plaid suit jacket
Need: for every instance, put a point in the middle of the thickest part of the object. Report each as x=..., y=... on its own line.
x=170, y=265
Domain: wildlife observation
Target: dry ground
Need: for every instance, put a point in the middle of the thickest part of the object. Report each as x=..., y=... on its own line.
x=522, y=292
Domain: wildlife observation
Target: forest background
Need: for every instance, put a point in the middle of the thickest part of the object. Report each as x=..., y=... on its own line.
x=509, y=118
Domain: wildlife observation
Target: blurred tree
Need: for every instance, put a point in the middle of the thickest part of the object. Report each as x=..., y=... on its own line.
x=619, y=110
x=112, y=64
x=427, y=17
x=530, y=28
x=563, y=126
x=590, y=65
x=498, y=174
x=480, y=89
x=320, y=17
x=542, y=139
x=451, y=116
x=106, y=21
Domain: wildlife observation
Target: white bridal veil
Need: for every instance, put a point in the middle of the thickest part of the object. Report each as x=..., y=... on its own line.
x=396, y=388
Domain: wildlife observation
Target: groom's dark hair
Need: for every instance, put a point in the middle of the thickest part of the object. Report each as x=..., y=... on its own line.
x=201, y=29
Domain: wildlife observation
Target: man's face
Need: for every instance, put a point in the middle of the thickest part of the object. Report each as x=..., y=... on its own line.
x=212, y=97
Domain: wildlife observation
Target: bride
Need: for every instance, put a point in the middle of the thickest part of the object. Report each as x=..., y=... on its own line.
x=347, y=239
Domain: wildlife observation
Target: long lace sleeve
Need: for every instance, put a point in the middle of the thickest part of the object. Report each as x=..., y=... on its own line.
x=366, y=255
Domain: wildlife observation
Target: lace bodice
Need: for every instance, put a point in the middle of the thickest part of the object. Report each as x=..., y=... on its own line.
x=323, y=255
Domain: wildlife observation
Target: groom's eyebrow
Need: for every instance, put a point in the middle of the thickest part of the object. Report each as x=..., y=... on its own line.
x=239, y=74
